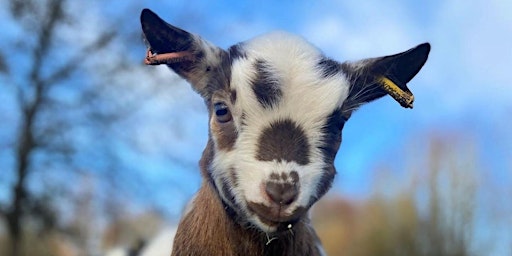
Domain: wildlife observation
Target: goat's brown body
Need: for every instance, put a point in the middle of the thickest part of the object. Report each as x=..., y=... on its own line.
x=207, y=229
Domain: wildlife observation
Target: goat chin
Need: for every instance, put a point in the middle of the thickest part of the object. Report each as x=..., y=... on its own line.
x=214, y=230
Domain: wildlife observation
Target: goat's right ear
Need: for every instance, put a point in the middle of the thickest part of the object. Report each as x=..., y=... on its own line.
x=187, y=54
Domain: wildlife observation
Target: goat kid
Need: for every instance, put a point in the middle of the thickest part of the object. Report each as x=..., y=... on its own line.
x=277, y=107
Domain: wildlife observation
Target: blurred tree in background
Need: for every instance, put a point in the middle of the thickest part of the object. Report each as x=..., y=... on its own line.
x=63, y=128
x=41, y=140
x=433, y=212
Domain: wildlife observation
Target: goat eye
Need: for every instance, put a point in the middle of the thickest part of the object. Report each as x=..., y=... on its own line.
x=222, y=112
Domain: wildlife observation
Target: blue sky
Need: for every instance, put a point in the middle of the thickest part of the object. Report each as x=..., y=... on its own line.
x=464, y=88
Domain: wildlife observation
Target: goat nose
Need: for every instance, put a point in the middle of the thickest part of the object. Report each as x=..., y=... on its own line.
x=281, y=193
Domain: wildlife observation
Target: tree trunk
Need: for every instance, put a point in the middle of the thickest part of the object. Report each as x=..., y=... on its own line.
x=26, y=146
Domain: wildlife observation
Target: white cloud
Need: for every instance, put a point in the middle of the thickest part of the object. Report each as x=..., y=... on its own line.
x=355, y=30
x=469, y=65
x=471, y=55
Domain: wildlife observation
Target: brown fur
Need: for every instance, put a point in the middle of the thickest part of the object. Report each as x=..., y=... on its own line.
x=284, y=140
x=226, y=135
x=208, y=229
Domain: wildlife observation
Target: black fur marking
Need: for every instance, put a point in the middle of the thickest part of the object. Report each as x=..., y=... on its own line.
x=229, y=196
x=274, y=176
x=294, y=176
x=243, y=121
x=283, y=140
x=329, y=67
x=232, y=96
x=236, y=52
x=234, y=177
x=324, y=184
x=266, y=85
x=331, y=141
x=331, y=135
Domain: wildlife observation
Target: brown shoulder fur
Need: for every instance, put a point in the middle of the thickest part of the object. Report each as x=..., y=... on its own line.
x=208, y=230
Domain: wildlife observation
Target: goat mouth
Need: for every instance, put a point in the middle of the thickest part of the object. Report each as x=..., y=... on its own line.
x=275, y=216
x=278, y=224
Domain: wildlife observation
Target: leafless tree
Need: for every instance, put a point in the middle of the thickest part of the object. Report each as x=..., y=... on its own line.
x=54, y=100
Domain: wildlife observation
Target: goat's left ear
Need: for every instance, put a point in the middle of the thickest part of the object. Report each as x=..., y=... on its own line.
x=373, y=78
x=187, y=54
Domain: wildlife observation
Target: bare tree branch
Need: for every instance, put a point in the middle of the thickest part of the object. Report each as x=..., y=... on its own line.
x=33, y=97
x=74, y=63
x=3, y=65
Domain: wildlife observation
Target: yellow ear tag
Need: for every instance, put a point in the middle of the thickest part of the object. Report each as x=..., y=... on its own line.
x=405, y=98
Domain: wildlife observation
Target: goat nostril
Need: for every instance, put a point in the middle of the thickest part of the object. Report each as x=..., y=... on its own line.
x=282, y=194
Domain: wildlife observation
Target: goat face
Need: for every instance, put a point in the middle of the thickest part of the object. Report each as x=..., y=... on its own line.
x=277, y=107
